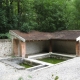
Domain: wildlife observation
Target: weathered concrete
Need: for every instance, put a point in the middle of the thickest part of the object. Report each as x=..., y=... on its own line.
x=67, y=70
x=17, y=66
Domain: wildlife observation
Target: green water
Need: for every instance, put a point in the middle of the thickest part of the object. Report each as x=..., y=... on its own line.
x=25, y=65
x=52, y=60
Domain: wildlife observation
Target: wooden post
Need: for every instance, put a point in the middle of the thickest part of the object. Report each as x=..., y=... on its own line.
x=19, y=49
x=77, y=48
x=23, y=49
x=15, y=47
x=50, y=45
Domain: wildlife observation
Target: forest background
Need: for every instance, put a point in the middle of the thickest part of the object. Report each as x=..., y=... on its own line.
x=41, y=15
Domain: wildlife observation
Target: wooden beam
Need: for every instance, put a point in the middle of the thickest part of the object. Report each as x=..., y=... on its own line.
x=17, y=36
x=50, y=45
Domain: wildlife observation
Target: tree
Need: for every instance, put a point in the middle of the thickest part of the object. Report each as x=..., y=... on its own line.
x=7, y=16
x=42, y=15
x=77, y=14
x=28, y=18
x=69, y=15
x=49, y=15
x=3, y=21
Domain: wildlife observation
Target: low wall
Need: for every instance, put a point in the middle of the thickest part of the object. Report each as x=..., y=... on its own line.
x=5, y=47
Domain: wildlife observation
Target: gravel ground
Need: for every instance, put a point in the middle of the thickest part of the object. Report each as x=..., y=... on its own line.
x=67, y=70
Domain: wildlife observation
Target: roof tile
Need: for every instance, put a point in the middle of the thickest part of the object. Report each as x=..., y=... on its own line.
x=36, y=35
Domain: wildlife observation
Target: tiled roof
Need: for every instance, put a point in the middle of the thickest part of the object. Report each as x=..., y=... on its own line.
x=36, y=35
x=66, y=34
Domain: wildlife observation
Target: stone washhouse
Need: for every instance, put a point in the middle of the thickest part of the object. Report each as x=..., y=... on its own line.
x=35, y=42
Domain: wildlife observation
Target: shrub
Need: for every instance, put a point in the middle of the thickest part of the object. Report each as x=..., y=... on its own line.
x=25, y=27
x=3, y=36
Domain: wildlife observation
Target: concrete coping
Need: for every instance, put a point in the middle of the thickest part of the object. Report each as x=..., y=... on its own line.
x=37, y=61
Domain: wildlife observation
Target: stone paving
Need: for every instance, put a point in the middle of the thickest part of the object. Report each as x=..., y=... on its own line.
x=67, y=70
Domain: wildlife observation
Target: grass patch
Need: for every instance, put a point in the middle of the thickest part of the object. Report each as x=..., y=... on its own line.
x=25, y=65
x=51, y=60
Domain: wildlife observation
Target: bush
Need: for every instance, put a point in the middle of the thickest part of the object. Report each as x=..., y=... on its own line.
x=4, y=36
x=25, y=27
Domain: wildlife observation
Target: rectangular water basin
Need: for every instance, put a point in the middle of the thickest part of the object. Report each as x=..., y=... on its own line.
x=20, y=63
x=52, y=58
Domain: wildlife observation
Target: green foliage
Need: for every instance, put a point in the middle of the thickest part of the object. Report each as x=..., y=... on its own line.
x=77, y=14
x=56, y=78
x=3, y=21
x=29, y=76
x=69, y=15
x=2, y=36
x=20, y=78
x=27, y=18
x=8, y=35
x=52, y=60
x=25, y=65
x=42, y=15
x=49, y=15
x=25, y=27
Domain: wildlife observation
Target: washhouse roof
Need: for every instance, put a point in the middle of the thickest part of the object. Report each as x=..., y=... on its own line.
x=66, y=34
x=36, y=35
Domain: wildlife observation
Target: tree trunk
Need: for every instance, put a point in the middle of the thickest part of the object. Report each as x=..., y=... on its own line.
x=18, y=6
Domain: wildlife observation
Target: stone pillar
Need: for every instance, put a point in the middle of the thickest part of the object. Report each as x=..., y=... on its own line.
x=50, y=45
x=15, y=47
x=77, y=48
x=23, y=49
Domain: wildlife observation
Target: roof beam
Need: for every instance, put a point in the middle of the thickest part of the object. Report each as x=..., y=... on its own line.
x=19, y=37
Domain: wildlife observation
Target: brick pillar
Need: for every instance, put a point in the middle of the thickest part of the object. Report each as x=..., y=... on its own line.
x=15, y=47
x=50, y=45
x=23, y=49
x=77, y=48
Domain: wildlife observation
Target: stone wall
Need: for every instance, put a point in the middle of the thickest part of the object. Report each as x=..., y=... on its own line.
x=5, y=47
